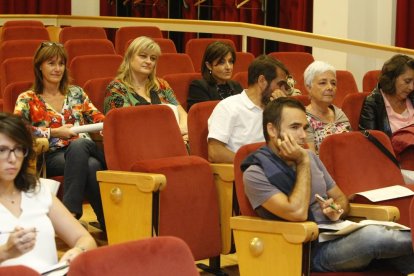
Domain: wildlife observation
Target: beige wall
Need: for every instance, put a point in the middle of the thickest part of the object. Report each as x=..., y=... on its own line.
x=85, y=7
x=366, y=20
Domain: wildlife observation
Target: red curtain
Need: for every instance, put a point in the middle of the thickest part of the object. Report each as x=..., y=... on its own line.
x=295, y=15
x=35, y=7
x=405, y=26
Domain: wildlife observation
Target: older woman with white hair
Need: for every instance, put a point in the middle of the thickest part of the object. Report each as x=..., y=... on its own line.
x=324, y=118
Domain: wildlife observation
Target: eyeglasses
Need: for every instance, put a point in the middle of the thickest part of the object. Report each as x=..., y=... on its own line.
x=50, y=43
x=19, y=152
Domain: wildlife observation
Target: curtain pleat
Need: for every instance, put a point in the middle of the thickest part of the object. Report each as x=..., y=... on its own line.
x=404, y=35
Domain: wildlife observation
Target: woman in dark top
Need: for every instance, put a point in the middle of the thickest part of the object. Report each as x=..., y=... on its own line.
x=390, y=106
x=217, y=70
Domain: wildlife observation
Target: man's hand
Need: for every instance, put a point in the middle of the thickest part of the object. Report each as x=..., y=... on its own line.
x=290, y=150
x=277, y=93
x=330, y=208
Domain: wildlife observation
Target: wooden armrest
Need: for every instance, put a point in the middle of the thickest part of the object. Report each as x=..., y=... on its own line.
x=375, y=212
x=145, y=182
x=271, y=247
x=224, y=171
x=293, y=232
x=127, y=195
x=224, y=179
x=41, y=145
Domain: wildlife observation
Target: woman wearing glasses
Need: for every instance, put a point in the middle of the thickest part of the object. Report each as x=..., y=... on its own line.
x=29, y=214
x=324, y=118
x=53, y=107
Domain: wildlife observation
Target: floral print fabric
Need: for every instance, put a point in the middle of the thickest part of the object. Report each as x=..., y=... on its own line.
x=77, y=110
x=119, y=95
x=318, y=129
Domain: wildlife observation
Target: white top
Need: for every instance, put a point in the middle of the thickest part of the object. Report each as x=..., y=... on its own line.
x=35, y=208
x=236, y=121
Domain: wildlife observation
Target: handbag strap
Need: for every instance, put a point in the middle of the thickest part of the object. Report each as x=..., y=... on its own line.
x=381, y=147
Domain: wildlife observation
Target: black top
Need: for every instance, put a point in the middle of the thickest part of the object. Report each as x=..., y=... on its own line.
x=201, y=91
x=374, y=114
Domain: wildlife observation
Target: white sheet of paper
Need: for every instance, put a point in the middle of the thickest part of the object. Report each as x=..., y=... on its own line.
x=58, y=269
x=87, y=128
x=386, y=193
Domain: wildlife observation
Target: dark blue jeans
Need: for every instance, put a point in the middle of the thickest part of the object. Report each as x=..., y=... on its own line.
x=78, y=163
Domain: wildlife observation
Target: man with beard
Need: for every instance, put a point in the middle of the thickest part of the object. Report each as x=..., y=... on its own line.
x=237, y=120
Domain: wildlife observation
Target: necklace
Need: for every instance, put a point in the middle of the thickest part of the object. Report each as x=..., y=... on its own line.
x=11, y=198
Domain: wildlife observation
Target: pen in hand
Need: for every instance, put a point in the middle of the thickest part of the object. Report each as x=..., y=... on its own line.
x=321, y=199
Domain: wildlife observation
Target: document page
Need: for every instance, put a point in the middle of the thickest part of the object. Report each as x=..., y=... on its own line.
x=345, y=227
x=386, y=193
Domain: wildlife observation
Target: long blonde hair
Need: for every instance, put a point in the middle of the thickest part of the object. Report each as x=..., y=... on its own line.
x=138, y=45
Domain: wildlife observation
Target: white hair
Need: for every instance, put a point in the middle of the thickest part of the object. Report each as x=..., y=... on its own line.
x=315, y=68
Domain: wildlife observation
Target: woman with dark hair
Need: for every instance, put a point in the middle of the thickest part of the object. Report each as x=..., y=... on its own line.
x=29, y=214
x=217, y=70
x=53, y=107
x=390, y=106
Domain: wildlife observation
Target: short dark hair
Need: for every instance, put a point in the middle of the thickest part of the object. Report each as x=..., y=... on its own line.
x=264, y=65
x=215, y=50
x=16, y=129
x=273, y=112
x=391, y=69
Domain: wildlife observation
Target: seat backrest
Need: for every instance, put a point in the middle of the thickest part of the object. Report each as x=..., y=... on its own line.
x=180, y=83
x=25, y=32
x=124, y=34
x=12, y=92
x=84, y=68
x=162, y=135
x=81, y=32
x=352, y=106
x=195, y=48
x=296, y=63
x=244, y=204
x=346, y=84
x=243, y=60
x=96, y=89
x=81, y=47
x=304, y=99
x=18, y=48
x=357, y=164
x=14, y=23
x=198, y=127
x=148, y=139
x=16, y=69
x=242, y=78
x=370, y=80
x=173, y=63
x=153, y=256
x=18, y=270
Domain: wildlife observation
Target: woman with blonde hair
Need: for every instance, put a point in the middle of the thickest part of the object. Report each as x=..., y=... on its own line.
x=137, y=84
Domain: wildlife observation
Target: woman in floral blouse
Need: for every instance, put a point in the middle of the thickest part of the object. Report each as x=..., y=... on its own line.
x=137, y=84
x=324, y=118
x=52, y=107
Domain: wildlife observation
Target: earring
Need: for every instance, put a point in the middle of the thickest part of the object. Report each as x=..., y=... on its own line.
x=210, y=72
